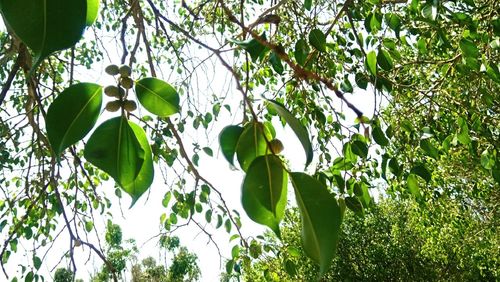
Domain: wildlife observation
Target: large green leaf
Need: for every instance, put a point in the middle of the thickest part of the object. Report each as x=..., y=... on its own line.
x=157, y=96
x=371, y=62
x=228, y=139
x=297, y=127
x=384, y=60
x=429, y=148
x=146, y=174
x=264, y=191
x=301, y=51
x=413, y=186
x=252, y=144
x=114, y=148
x=379, y=136
x=46, y=26
x=72, y=115
x=317, y=39
x=92, y=11
x=469, y=49
x=320, y=216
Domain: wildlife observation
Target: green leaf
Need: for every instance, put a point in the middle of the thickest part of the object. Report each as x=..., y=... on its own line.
x=29, y=277
x=469, y=49
x=275, y=61
x=301, y=51
x=371, y=61
x=384, y=60
x=264, y=191
x=45, y=26
x=463, y=132
x=37, y=262
x=394, y=22
x=317, y=39
x=146, y=174
x=290, y=268
x=89, y=225
x=379, y=136
x=355, y=205
x=72, y=115
x=166, y=199
x=297, y=127
x=92, y=11
x=252, y=144
x=413, y=186
x=320, y=217
x=422, y=171
x=429, y=11
x=359, y=148
x=114, y=148
x=429, y=149
x=253, y=47
x=228, y=139
x=157, y=96
x=307, y=4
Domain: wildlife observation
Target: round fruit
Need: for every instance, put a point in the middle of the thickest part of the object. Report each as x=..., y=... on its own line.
x=127, y=82
x=112, y=70
x=125, y=71
x=277, y=146
x=113, y=106
x=78, y=243
x=129, y=106
x=112, y=91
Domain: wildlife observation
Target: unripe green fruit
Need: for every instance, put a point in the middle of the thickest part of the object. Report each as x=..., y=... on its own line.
x=112, y=91
x=113, y=106
x=129, y=106
x=125, y=71
x=127, y=82
x=276, y=146
x=112, y=70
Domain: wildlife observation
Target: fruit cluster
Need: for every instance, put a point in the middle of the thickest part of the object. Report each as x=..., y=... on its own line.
x=120, y=92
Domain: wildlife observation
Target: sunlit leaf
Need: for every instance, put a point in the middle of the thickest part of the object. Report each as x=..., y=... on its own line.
x=72, y=115
x=46, y=26
x=92, y=11
x=146, y=174
x=320, y=217
x=384, y=60
x=252, y=144
x=228, y=139
x=413, y=186
x=114, y=148
x=264, y=191
x=371, y=61
x=317, y=39
x=157, y=96
x=297, y=127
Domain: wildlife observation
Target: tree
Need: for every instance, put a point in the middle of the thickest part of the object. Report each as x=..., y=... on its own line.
x=432, y=67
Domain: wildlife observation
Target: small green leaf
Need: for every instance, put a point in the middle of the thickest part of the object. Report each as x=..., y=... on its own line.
x=166, y=199
x=252, y=144
x=29, y=277
x=146, y=174
x=429, y=149
x=463, y=132
x=114, y=148
x=384, y=60
x=37, y=262
x=429, y=11
x=297, y=127
x=379, y=136
x=301, y=51
x=253, y=47
x=320, y=217
x=317, y=39
x=89, y=225
x=92, y=11
x=307, y=4
x=157, y=96
x=264, y=191
x=469, y=49
x=487, y=160
x=46, y=26
x=394, y=22
x=235, y=252
x=359, y=148
x=275, y=61
x=371, y=61
x=413, y=186
x=355, y=205
x=72, y=115
x=422, y=171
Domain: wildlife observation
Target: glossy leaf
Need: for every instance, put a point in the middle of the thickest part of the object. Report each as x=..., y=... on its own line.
x=359, y=148
x=297, y=127
x=157, y=96
x=317, y=39
x=72, y=115
x=264, y=191
x=92, y=11
x=114, y=148
x=463, y=132
x=320, y=217
x=252, y=144
x=301, y=51
x=371, y=61
x=46, y=26
x=228, y=139
x=146, y=174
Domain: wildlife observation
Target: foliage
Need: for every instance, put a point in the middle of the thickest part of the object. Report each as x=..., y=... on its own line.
x=432, y=67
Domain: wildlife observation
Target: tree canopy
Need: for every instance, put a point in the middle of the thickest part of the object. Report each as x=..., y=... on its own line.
x=387, y=98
